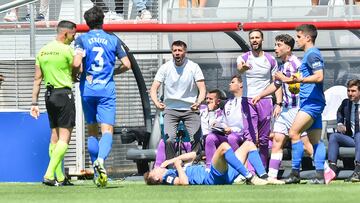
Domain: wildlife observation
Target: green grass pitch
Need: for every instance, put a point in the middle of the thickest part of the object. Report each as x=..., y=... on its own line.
x=127, y=191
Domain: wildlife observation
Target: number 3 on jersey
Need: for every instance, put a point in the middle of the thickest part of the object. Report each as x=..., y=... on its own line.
x=99, y=58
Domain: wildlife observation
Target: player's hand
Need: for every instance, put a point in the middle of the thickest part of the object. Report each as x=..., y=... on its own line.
x=280, y=76
x=178, y=163
x=341, y=128
x=255, y=100
x=289, y=80
x=277, y=111
x=195, y=106
x=227, y=130
x=244, y=67
x=35, y=112
x=161, y=106
x=164, y=164
x=271, y=136
x=297, y=78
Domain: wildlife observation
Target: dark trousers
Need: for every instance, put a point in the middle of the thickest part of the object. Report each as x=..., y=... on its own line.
x=338, y=140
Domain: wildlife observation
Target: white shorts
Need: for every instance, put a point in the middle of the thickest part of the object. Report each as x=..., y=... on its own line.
x=283, y=123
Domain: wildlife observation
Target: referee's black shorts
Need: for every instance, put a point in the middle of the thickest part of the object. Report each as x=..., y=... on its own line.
x=60, y=105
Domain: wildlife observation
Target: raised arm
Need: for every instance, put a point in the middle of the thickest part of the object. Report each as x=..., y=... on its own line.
x=186, y=158
x=182, y=177
x=242, y=67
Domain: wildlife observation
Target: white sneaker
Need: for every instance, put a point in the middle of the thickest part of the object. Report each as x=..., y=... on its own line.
x=10, y=17
x=274, y=181
x=240, y=180
x=113, y=16
x=144, y=15
x=254, y=180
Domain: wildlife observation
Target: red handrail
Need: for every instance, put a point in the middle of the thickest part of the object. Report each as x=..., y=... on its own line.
x=320, y=25
x=181, y=27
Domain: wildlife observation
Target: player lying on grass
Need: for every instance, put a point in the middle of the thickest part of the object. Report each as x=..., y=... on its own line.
x=226, y=166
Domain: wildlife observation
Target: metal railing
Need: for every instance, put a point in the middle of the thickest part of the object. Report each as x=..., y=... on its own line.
x=15, y=4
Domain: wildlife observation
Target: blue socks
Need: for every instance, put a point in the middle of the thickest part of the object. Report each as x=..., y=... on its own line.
x=255, y=160
x=105, y=145
x=93, y=148
x=319, y=155
x=297, y=153
x=234, y=162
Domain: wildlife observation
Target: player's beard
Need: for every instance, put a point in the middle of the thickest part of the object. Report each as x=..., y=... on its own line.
x=256, y=47
x=178, y=61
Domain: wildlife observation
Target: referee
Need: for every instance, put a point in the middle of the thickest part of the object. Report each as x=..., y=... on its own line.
x=54, y=66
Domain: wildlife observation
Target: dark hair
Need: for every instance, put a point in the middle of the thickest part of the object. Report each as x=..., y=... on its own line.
x=217, y=92
x=94, y=17
x=354, y=82
x=257, y=30
x=179, y=43
x=308, y=29
x=65, y=24
x=149, y=180
x=287, y=39
x=237, y=76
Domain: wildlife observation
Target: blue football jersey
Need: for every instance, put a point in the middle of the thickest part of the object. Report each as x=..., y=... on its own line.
x=312, y=62
x=100, y=50
x=196, y=175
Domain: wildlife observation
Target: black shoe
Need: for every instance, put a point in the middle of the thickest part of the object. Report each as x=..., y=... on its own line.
x=66, y=182
x=26, y=18
x=292, y=179
x=40, y=17
x=355, y=177
x=317, y=181
x=49, y=182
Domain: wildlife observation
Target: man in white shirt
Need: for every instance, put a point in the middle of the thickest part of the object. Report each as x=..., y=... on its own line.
x=184, y=90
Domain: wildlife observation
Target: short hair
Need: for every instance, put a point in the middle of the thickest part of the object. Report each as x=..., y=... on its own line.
x=217, y=92
x=94, y=17
x=308, y=29
x=237, y=76
x=179, y=43
x=286, y=39
x=354, y=82
x=65, y=24
x=149, y=180
x=257, y=30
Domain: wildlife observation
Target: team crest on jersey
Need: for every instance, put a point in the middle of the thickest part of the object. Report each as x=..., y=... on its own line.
x=69, y=95
x=89, y=78
x=170, y=179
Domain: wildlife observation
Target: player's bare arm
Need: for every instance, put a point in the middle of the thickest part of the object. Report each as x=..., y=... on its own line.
x=317, y=77
x=153, y=94
x=34, y=111
x=182, y=177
